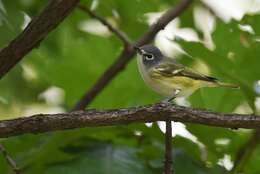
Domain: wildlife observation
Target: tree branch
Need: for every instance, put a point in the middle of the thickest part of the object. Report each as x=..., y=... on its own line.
x=128, y=53
x=122, y=36
x=30, y=38
x=10, y=160
x=168, y=148
x=34, y=33
x=92, y=118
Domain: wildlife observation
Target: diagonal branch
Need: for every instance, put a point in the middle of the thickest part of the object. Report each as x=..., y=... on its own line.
x=167, y=17
x=108, y=75
x=128, y=53
x=245, y=151
x=10, y=160
x=92, y=118
x=34, y=33
x=30, y=38
x=122, y=36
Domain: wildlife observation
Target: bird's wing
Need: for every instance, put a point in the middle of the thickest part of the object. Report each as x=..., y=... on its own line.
x=170, y=69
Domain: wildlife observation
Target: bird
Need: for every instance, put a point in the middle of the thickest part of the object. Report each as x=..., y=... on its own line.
x=168, y=77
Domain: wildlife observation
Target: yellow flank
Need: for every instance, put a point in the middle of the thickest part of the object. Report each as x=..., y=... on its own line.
x=186, y=81
x=180, y=82
x=166, y=85
x=185, y=84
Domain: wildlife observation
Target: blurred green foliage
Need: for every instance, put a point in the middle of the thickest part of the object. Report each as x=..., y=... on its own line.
x=72, y=60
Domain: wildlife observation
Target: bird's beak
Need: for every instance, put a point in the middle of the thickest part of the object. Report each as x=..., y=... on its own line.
x=138, y=49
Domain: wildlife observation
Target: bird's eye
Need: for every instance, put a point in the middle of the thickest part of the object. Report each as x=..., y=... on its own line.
x=148, y=56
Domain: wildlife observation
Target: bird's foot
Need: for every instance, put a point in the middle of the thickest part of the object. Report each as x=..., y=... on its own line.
x=167, y=100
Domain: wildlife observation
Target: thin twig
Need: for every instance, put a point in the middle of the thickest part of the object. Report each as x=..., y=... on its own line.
x=92, y=118
x=128, y=53
x=245, y=151
x=117, y=32
x=205, y=5
x=10, y=160
x=168, y=148
x=167, y=17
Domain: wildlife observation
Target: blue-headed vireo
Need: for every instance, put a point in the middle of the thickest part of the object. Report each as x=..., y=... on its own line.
x=169, y=78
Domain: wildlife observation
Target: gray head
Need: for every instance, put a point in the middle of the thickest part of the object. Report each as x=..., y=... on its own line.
x=150, y=55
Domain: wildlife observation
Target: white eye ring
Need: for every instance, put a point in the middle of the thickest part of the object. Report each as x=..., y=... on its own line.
x=149, y=56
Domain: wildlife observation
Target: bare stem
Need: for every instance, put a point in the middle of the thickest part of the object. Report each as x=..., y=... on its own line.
x=168, y=148
x=10, y=160
x=114, y=30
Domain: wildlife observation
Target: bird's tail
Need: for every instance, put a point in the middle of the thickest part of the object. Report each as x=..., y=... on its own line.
x=228, y=85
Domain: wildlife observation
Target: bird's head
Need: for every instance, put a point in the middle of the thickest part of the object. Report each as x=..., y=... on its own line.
x=150, y=55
